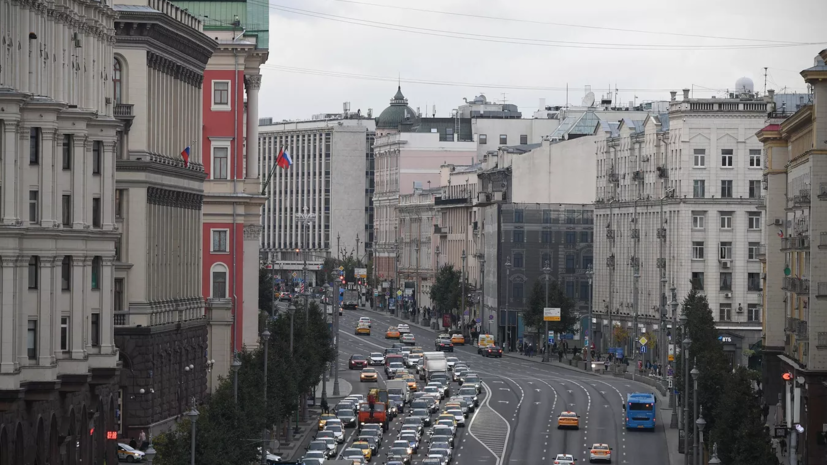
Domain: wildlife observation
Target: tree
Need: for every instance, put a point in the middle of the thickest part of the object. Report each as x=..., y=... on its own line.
x=533, y=315
x=621, y=335
x=266, y=290
x=447, y=289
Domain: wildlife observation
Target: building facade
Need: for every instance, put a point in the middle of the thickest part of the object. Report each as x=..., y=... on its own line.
x=677, y=198
x=795, y=239
x=232, y=191
x=160, y=326
x=58, y=234
x=417, y=255
x=332, y=177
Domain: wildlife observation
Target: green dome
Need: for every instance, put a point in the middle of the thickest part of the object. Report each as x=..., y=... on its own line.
x=397, y=113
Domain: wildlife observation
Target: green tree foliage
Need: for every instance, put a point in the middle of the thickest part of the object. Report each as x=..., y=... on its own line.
x=556, y=299
x=446, y=293
x=330, y=268
x=266, y=290
x=739, y=431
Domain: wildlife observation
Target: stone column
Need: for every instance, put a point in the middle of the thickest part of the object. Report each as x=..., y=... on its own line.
x=47, y=184
x=21, y=320
x=7, y=339
x=79, y=194
x=77, y=287
x=248, y=297
x=107, y=189
x=47, y=315
x=10, y=155
x=253, y=83
x=107, y=342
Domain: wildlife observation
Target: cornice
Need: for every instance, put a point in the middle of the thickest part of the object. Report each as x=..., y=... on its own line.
x=174, y=199
x=163, y=35
x=36, y=232
x=165, y=170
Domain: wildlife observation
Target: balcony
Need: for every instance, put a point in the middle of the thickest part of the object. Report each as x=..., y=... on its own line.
x=121, y=318
x=796, y=285
x=822, y=243
x=123, y=111
x=761, y=252
x=442, y=230
x=791, y=325
x=795, y=243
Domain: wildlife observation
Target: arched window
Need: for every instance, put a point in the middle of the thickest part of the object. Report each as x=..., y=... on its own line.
x=219, y=281
x=116, y=80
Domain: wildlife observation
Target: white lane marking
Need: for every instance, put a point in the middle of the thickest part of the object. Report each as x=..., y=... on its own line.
x=507, y=426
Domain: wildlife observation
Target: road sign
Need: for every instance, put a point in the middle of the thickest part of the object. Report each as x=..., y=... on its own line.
x=642, y=349
x=490, y=317
x=360, y=272
x=551, y=314
x=399, y=292
x=643, y=340
x=341, y=268
x=294, y=274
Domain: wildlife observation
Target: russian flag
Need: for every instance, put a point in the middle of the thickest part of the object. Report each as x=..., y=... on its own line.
x=283, y=160
x=185, y=154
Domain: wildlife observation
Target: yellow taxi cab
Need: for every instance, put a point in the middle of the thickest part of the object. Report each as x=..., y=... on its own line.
x=417, y=350
x=364, y=446
x=323, y=419
x=368, y=375
x=411, y=382
x=392, y=333
x=568, y=420
x=458, y=339
x=447, y=416
x=128, y=454
x=363, y=328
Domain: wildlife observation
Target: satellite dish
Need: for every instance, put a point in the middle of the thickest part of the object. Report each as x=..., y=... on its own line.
x=588, y=100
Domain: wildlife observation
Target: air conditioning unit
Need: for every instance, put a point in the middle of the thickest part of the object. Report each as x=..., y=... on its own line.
x=726, y=264
x=728, y=295
x=777, y=222
x=739, y=309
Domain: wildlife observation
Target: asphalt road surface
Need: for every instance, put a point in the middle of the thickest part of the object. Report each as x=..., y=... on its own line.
x=516, y=422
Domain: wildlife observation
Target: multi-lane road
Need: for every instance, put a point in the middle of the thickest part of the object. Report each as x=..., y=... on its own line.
x=517, y=419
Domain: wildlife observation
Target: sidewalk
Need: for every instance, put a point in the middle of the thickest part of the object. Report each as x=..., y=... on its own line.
x=345, y=388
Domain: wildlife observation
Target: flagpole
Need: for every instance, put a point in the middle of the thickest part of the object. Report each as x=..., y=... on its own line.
x=270, y=176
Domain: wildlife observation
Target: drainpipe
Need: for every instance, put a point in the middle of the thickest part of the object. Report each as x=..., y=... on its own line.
x=236, y=150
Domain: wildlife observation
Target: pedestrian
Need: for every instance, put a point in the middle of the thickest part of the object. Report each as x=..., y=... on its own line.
x=325, y=407
x=783, y=444
x=142, y=440
x=560, y=356
x=765, y=412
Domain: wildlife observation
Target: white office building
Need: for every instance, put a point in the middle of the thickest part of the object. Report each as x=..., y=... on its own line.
x=680, y=192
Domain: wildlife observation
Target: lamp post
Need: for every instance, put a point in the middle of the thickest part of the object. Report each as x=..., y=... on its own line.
x=673, y=422
x=700, y=423
x=547, y=274
x=590, y=334
x=437, y=252
x=306, y=219
x=265, y=336
x=462, y=284
x=685, y=394
x=236, y=365
x=193, y=414
x=507, y=289
x=695, y=373
x=483, y=321
x=336, y=340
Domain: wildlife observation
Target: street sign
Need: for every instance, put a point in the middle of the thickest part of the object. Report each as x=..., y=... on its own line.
x=642, y=349
x=360, y=272
x=490, y=317
x=551, y=314
x=643, y=340
x=376, y=293
x=341, y=268
x=399, y=292
x=294, y=274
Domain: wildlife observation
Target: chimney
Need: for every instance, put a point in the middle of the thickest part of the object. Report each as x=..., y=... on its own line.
x=686, y=94
x=673, y=94
x=542, y=104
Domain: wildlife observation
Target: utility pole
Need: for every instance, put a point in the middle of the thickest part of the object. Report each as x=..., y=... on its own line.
x=396, y=264
x=483, y=321
x=507, y=294
x=590, y=334
x=547, y=274
x=636, y=289
x=336, y=337
x=462, y=287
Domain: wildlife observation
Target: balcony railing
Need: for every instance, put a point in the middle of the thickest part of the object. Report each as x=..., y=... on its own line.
x=801, y=332
x=121, y=318
x=796, y=285
x=761, y=253
x=123, y=110
x=791, y=325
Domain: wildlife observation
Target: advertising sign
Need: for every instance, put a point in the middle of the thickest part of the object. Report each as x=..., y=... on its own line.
x=360, y=272
x=551, y=314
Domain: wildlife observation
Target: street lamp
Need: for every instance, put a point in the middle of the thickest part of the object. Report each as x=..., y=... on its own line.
x=507, y=292
x=590, y=334
x=547, y=274
x=462, y=284
x=193, y=414
x=437, y=252
x=687, y=342
x=695, y=374
x=306, y=219
x=700, y=423
x=236, y=365
x=265, y=336
x=483, y=321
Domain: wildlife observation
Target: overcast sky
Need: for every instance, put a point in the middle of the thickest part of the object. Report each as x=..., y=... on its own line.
x=315, y=53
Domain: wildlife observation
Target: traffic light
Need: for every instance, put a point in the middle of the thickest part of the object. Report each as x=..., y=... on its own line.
x=787, y=376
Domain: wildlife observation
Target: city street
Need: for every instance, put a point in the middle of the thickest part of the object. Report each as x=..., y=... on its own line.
x=517, y=419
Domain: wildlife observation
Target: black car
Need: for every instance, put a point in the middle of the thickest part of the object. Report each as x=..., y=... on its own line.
x=493, y=351
x=348, y=418
x=444, y=345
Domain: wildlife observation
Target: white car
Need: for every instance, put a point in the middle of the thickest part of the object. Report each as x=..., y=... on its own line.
x=458, y=415
x=376, y=358
x=451, y=361
x=365, y=320
x=564, y=459
x=412, y=360
x=337, y=429
x=408, y=338
x=403, y=328
x=600, y=453
x=128, y=454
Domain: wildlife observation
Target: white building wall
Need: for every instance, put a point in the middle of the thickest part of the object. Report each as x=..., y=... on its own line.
x=557, y=172
x=533, y=129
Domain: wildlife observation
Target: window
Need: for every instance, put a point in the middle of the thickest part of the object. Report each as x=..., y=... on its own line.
x=698, y=221
x=96, y=212
x=755, y=158
x=116, y=80
x=96, y=273
x=545, y=237
x=726, y=220
x=119, y=304
x=483, y=138
x=67, y=151
x=31, y=340
x=726, y=189
x=34, y=268
x=754, y=281
x=66, y=272
x=118, y=250
x=584, y=237
x=503, y=139
x=571, y=216
x=698, y=280
x=33, y=207
x=523, y=139
x=449, y=134
x=752, y=251
x=726, y=158
x=755, y=189
x=517, y=292
x=219, y=162
x=753, y=313
x=119, y=194
x=726, y=281
x=64, y=333
x=97, y=147
x=570, y=263
x=570, y=289
x=518, y=260
x=545, y=261
x=588, y=261
x=584, y=290
x=66, y=210
x=697, y=250
x=725, y=312
x=219, y=282
x=571, y=237
x=518, y=216
x=219, y=240
x=221, y=93
x=519, y=235
x=34, y=146
x=95, y=329
x=726, y=251
x=700, y=158
x=754, y=220
x=699, y=188
x=546, y=216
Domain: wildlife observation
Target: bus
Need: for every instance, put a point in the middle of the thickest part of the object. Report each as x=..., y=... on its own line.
x=640, y=410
